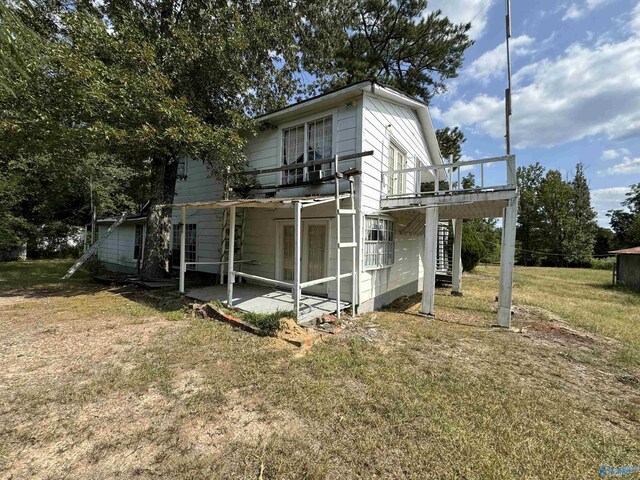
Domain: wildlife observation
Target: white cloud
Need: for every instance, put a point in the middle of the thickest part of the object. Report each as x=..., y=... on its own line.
x=583, y=92
x=613, y=153
x=628, y=165
x=635, y=19
x=605, y=199
x=493, y=63
x=575, y=11
x=465, y=11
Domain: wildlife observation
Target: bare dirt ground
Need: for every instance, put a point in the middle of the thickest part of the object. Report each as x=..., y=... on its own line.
x=112, y=383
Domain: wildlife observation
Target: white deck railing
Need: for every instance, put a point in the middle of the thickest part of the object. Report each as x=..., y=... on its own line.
x=452, y=172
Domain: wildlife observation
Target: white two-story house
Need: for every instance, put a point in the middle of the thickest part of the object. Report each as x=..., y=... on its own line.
x=337, y=219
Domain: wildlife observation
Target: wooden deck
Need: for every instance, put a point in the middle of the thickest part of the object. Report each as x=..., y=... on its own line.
x=262, y=299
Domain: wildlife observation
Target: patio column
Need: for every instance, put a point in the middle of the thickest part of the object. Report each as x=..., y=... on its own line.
x=509, y=219
x=429, y=261
x=456, y=271
x=230, y=254
x=183, y=243
x=297, y=254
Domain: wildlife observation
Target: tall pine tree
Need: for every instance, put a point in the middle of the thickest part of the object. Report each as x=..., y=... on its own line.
x=581, y=223
x=392, y=42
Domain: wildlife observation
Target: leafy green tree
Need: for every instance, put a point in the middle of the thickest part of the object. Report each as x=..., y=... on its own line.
x=19, y=44
x=480, y=236
x=43, y=198
x=555, y=208
x=604, y=241
x=152, y=82
x=392, y=42
x=626, y=224
x=529, y=231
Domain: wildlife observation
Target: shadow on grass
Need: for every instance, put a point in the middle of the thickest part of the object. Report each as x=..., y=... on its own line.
x=162, y=299
x=43, y=278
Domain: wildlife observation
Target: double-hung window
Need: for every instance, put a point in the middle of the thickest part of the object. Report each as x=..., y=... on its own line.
x=397, y=161
x=379, y=244
x=138, y=241
x=305, y=143
x=190, y=248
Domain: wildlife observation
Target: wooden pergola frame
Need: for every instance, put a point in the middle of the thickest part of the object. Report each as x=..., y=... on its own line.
x=297, y=203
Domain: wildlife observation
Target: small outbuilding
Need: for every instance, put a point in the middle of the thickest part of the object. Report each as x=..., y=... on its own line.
x=627, y=268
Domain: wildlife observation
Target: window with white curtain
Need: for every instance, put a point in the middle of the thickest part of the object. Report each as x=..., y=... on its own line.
x=379, y=244
x=305, y=143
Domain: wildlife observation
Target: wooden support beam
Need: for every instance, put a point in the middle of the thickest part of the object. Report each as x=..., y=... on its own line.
x=230, y=254
x=507, y=254
x=296, y=291
x=183, y=245
x=456, y=273
x=429, y=261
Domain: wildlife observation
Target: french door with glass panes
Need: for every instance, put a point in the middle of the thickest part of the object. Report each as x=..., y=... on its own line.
x=396, y=180
x=314, y=246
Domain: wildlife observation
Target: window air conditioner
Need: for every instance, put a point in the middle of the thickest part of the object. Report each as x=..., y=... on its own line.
x=315, y=175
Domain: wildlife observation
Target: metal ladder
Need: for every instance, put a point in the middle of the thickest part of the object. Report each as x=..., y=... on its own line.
x=224, y=243
x=93, y=247
x=353, y=244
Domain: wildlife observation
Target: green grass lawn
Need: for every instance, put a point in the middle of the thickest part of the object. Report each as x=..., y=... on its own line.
x=99, y=382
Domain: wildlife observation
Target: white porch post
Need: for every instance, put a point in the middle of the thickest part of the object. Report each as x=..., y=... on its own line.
x=183, y=244
x=354, y=252
x=297, y=257
x=429, y=261
x=509, y=219
x=456, y=271
x=230, y=254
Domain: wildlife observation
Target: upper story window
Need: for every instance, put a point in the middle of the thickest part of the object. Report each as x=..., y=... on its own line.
x=397, y=161
x=305, y=143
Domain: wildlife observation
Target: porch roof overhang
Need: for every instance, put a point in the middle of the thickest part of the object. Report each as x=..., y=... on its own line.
x=282, y=202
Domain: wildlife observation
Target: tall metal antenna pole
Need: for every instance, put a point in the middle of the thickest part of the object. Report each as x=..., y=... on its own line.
x=507, y=96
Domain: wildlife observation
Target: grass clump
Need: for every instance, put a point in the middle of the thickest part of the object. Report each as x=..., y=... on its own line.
x=268, y=322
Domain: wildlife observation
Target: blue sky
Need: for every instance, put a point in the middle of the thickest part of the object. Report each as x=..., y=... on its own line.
x=576, y=94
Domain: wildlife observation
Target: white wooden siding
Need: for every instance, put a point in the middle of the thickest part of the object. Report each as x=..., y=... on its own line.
x=403, y=277
x=382, y=122
x=201, y=186
x=117, y=248
x=405, y=130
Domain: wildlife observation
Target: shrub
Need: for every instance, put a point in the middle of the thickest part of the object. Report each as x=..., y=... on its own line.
x=606, y=263
x=473, y=250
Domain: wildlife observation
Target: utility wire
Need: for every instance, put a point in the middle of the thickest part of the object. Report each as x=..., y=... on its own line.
x=481, y=10
x=541, y=253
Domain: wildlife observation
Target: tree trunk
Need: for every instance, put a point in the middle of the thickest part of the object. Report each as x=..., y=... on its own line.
x=164, y=171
